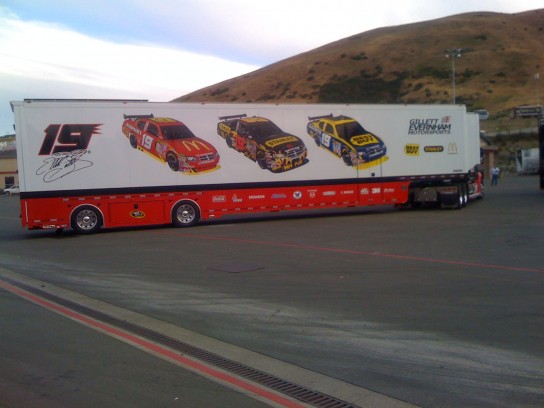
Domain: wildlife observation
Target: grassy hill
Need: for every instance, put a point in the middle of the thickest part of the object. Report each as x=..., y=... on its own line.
x=501, y=53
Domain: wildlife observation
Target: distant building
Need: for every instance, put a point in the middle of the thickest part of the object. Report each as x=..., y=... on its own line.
x=8, y=162
x=488, y=155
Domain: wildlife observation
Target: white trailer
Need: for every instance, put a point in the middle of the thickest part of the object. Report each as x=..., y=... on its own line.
x=527, y=161
x=91, y=164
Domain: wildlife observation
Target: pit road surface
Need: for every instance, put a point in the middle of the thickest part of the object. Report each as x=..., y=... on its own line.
x=427, y=307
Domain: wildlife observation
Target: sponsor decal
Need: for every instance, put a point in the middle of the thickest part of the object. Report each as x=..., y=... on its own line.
x=257, y=197
x=297, y=195
x=312, y=193
x=433, y=126
x=219, y=199
x=364, y=191
x=433, y=149
x=336, y=147
x=235, y=199
x=66, y=146
x=137, y=214
x=329, y=193
x=67, y=138
x=280, y=141
x=61, y=164
x=362, y=140
x=161, y=148
x=376, y=190
x=411, y=149
x=134, y=128
x=452, y=148
x=388, y=190
x=195, y=144
x=278, y=196
x=348, y=192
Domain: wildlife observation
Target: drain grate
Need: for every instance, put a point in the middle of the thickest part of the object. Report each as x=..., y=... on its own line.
x=303, y=394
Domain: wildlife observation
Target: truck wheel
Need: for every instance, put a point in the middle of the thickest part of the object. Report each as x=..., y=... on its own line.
x=464, y=191
x=86, y=220
x=133, y=141
x=173, y=161
x=185, y=214
x=460, y=198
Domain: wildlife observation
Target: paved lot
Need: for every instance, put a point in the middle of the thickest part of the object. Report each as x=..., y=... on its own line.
x=435, y=308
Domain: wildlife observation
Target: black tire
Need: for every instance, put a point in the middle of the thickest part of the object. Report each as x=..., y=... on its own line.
x=317, y=139
x=86, y=220
x=460, y=199
x=173, y=161
x=230, y=141
x=464, y=189
x=346, y=158
x=261, y=161
x=133, y=141
x=185, y=214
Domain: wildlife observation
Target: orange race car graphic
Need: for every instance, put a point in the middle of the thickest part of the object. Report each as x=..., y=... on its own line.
x=170, y=141
x=263, y=142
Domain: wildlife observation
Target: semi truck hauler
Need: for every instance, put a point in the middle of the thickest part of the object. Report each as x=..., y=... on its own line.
x=92, y=164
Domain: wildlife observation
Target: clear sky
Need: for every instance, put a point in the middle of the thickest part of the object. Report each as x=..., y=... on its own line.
x=162, y=49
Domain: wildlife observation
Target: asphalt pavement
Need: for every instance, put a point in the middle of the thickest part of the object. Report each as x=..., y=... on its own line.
x=425, y=307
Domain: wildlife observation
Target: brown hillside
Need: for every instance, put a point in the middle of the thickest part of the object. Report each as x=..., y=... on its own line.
x=407, y=64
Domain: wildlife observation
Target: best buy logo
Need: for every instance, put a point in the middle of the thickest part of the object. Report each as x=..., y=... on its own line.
x=411, y=149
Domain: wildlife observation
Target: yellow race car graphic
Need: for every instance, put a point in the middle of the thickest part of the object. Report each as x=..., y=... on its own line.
x=262, y=141
x=170, y=141
x=346, y=138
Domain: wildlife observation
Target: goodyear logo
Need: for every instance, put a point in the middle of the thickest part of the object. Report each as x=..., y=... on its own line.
x=411, y=149
x=137, y=214
x=433, y=149
x=363, y=140
x=280, y=141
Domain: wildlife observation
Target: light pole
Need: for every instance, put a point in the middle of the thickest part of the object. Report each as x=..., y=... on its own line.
x=453, y=54
x=537, y=83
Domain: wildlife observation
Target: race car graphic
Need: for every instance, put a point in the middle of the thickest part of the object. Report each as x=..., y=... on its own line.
x=346, y=138
x=170, y=141
x=263, y=142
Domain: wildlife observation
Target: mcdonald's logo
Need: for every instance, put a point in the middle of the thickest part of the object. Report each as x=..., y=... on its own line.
x=195, y=145
x=452, y=148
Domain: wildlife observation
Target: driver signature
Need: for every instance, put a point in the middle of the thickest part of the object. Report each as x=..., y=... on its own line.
x=63, y=163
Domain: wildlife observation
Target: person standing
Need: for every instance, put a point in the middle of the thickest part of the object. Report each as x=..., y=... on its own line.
x=495, y=172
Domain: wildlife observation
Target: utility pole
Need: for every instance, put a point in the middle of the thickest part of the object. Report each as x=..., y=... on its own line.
x=537, y=80
x=453, y=54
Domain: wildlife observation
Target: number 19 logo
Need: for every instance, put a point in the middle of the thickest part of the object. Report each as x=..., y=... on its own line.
x=67, y=138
